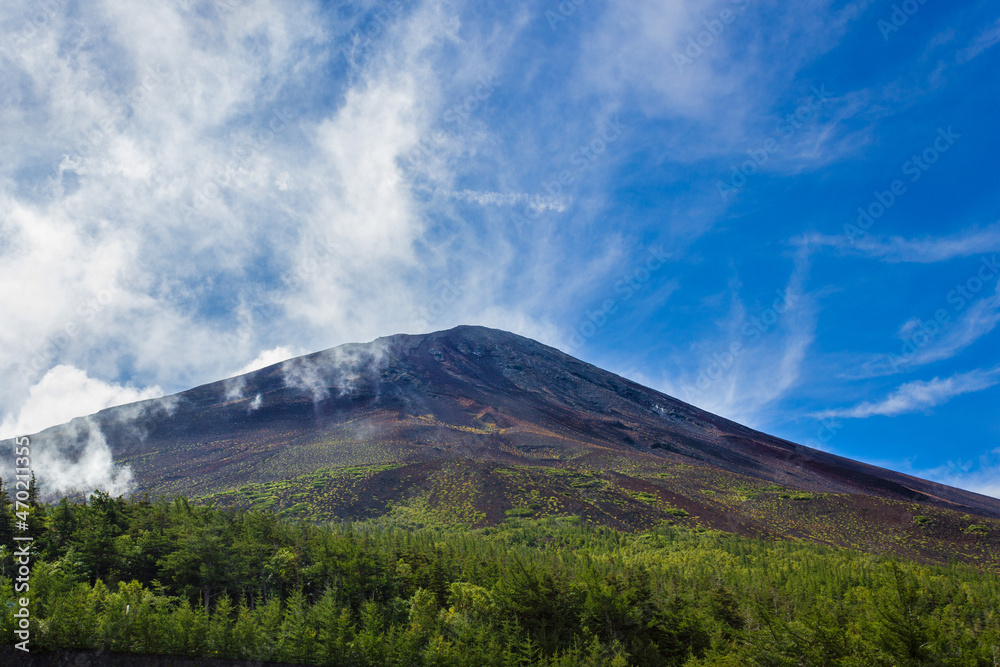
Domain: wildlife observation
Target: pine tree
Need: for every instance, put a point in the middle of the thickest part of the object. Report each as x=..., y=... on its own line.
x=900, y=628
x=298, y=638
x=335, y=630
x=36, y=514
x=6, y=517
x=220, y=630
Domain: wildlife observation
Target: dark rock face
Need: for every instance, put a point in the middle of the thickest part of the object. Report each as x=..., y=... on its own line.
x=475, y=426
x=472, y=392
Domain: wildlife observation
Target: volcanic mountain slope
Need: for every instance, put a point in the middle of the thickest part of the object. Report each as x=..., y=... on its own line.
x=475, y=425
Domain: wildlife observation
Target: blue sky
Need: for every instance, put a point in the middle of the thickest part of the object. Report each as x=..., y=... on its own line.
x=785, y=213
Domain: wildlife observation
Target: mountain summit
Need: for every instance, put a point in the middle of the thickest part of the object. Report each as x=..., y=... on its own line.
x=475, y=425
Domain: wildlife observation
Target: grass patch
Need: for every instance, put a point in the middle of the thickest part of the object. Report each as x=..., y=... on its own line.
x=648, y=498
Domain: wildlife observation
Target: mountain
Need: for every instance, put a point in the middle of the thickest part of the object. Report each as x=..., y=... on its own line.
x=475, y=426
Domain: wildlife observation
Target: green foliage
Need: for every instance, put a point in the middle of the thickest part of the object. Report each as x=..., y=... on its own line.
x=173, y=578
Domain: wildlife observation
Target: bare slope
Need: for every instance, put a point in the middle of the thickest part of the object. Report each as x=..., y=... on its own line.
x=476, y=425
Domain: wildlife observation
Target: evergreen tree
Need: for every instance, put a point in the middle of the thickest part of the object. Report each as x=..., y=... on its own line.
x=6, y=517
x=176, y=578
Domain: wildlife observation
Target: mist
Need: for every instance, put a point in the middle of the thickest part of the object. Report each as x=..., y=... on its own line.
x=76, y=458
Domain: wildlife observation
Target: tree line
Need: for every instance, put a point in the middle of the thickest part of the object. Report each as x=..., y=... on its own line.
x=171, y=577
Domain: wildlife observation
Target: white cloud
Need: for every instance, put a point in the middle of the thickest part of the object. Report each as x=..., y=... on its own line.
x=111, y=208
x=977, y=321
x=773, y=341
x=982, y=476
x=185, y=191
x=919, y=395
x=271, y=357
x=64, y=393
x=647, y=52
x=76, y=457
x=989, y=37
x=486, y=198
x=236, y=383
x=926, y=342
x=927, y=250
x=335, y=371
x=73, y=456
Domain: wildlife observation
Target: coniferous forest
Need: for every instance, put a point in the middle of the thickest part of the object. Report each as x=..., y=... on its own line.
x=174, y=578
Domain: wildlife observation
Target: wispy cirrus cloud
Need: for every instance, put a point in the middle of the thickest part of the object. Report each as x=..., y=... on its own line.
x=896, y=249
x=981, y=475
x=759, y=357
x=928, y=341
x=177, y=172
x=489, y=198
x=989, y=37
x=228, y=195
x=919, y=395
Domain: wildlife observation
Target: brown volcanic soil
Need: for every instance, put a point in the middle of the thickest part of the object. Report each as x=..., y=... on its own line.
x=475, y=425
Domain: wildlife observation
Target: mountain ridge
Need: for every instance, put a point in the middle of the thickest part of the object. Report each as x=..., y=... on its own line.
x=478, y=425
